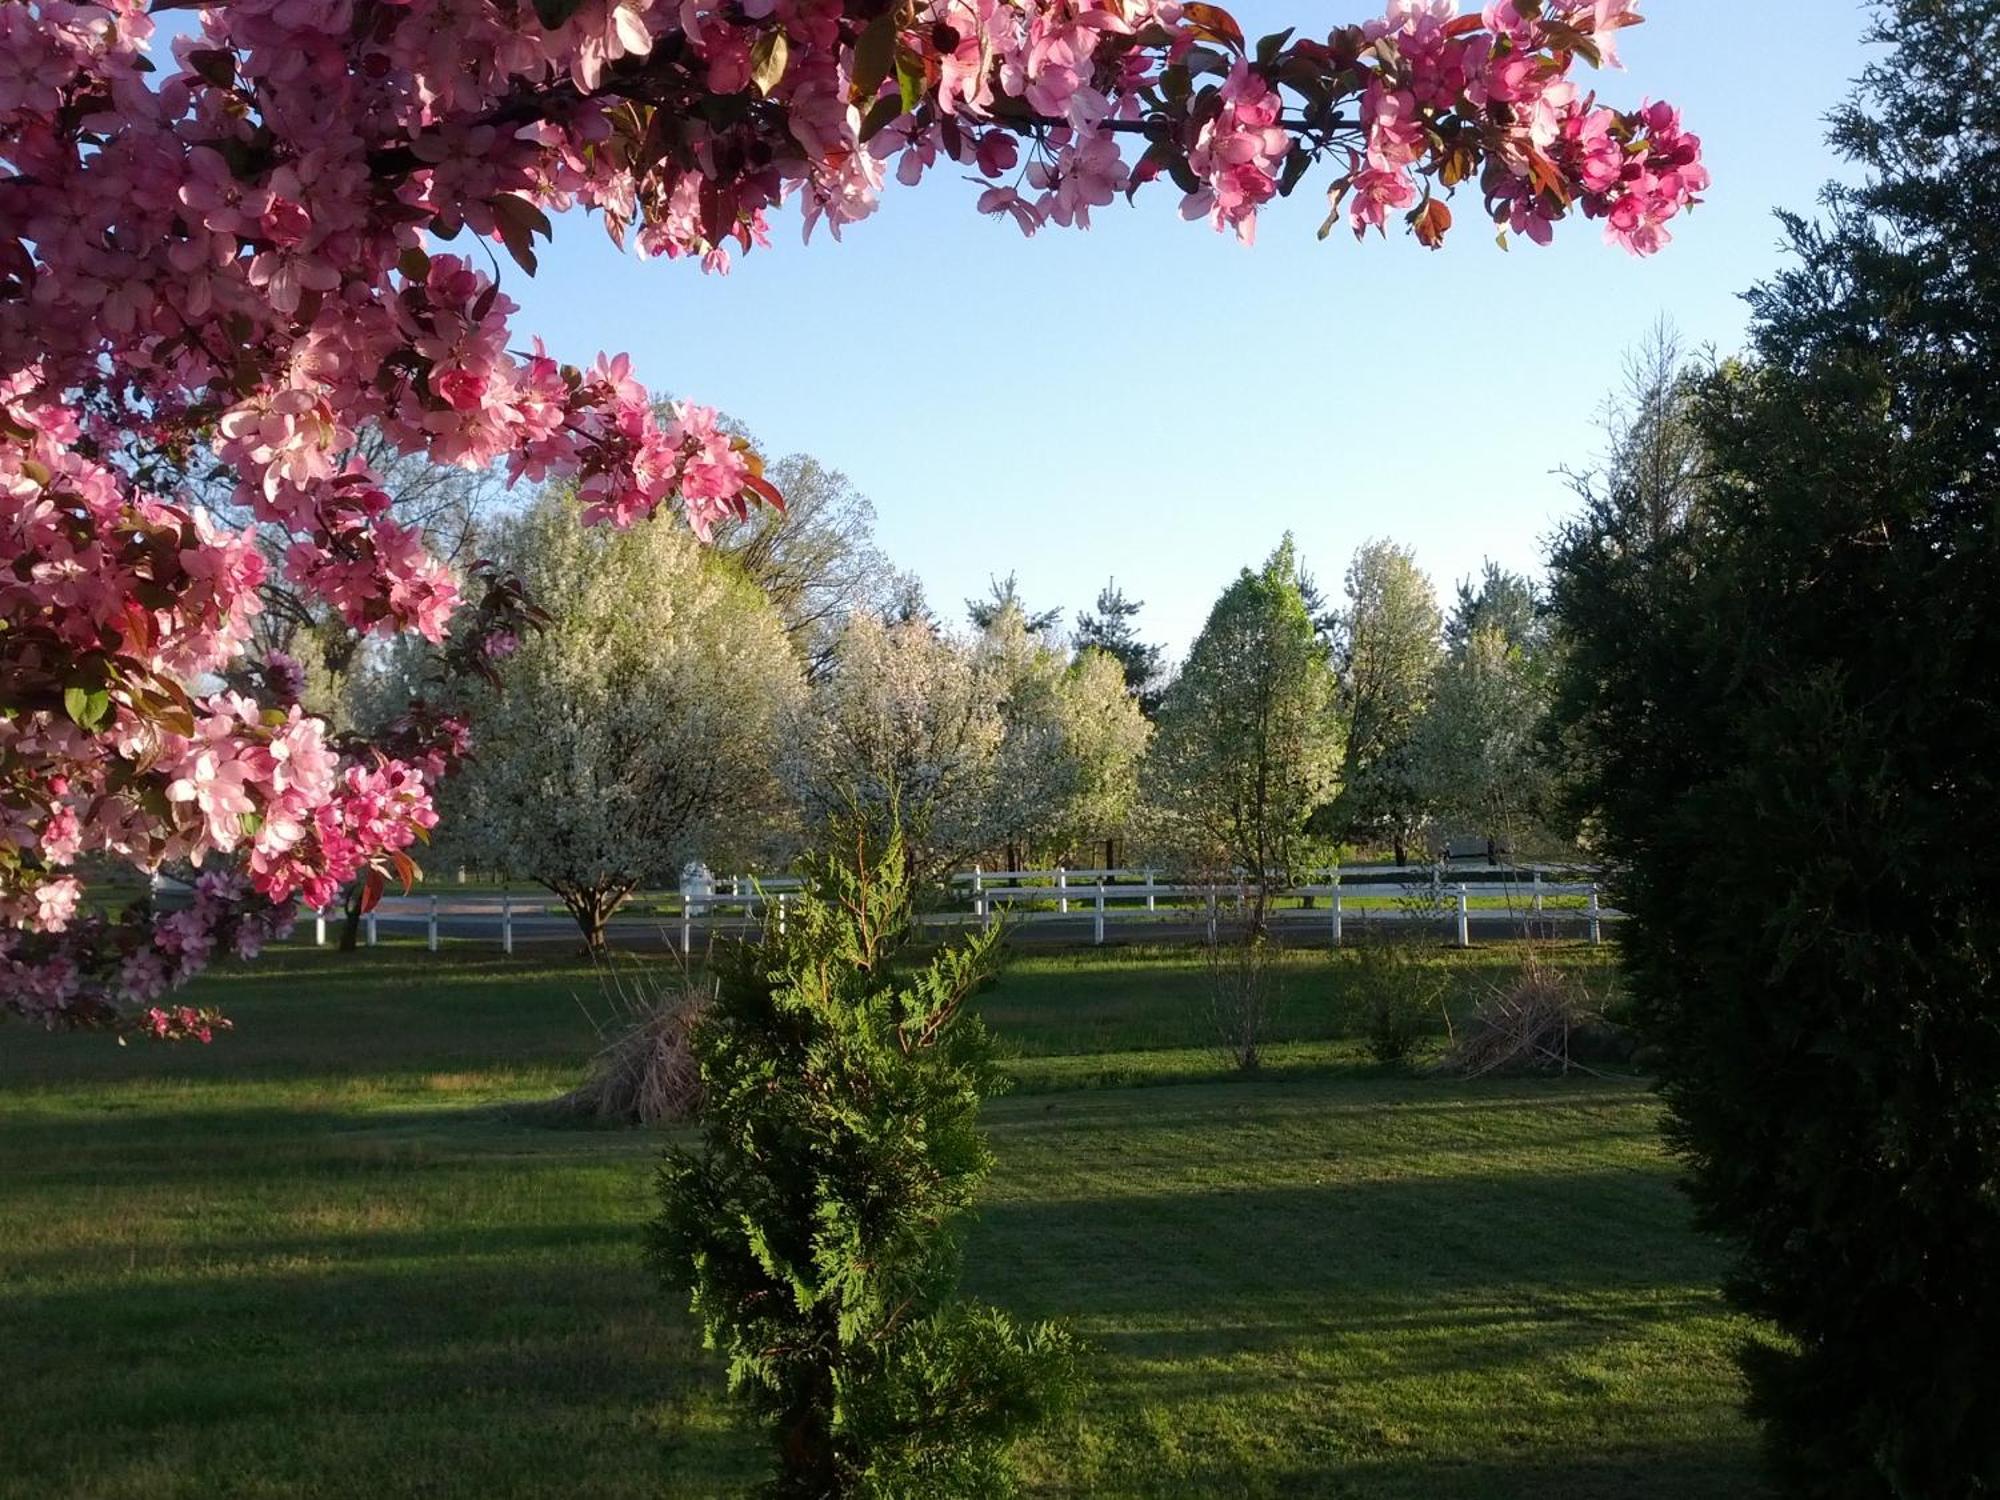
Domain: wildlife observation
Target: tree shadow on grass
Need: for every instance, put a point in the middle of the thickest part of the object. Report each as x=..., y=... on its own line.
x=536, y=1359
x=1478, y=1336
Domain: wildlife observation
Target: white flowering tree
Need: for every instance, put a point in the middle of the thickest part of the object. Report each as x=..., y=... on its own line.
x=972, y=745
x=1475, y=756
x=1074, y=736
x=904, y=725
x=1249, y=743
x=639, y=729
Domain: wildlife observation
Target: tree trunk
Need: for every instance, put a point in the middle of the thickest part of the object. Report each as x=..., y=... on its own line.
x=1400, y=847
x=350, y=927
x=592, y=910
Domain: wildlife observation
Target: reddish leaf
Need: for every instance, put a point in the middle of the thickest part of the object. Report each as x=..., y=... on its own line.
x=1432, y=221
x=371, y=890
x=1213, y=22
x=766, y=491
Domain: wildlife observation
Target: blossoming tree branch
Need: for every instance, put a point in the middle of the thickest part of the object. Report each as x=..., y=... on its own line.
x=232, y=254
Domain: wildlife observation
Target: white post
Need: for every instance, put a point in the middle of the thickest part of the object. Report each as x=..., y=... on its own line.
x=1098, y=925
x=319, y=928
x=1149, y=890
x=782, y=895
x=687, y=921
x=1464, y=934
x=371, y=929
x=461, y=874
x=1211, y=914
x=433, y=932
x=506, y=921
x=1596, y=927
x=978, y=892
x=1336, y=908
x=1062, y=884
x=1538, y=893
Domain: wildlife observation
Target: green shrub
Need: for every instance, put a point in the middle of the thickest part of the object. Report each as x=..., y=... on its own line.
x=1400, y=993
x=814, y=1230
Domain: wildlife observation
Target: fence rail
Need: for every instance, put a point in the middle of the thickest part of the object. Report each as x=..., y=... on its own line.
x=1135, y=899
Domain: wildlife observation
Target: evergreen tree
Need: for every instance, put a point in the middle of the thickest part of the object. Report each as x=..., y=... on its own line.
x=1110, y=630
x=815, y=1228
x=1501, y=601
x=1003, y=594
x=1787, y=685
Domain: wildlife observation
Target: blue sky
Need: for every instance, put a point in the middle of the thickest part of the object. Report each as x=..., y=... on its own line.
x=1152, y=400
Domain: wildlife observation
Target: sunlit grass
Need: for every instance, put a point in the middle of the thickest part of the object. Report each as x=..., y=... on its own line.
x=330, y=1255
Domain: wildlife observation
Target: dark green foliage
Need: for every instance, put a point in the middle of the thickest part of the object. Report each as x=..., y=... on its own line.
x=1110, y=630
x=815, y=1228
x=1504, y=601
x=1003, y=594
x=1791, y=703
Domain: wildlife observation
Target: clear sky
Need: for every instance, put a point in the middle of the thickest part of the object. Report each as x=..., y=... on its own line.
x=1152, y=400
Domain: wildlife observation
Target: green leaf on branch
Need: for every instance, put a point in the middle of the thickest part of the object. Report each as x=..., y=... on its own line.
x=1270, y=46
x=880, y=114
x=909, y=79
x=519, y=221
x=87, y=707
x=874, y=56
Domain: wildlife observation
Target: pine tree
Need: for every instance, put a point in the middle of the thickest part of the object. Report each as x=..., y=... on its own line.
x=1003, y=594
x=1111, y=631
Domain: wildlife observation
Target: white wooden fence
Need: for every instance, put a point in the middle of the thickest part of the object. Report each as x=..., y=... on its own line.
x=1135, y=898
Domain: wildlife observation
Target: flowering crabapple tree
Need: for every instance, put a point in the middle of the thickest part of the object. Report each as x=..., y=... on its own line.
x=236, y=247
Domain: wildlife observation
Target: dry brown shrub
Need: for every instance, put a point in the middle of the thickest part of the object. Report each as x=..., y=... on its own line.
x=1529, y=1023
x=646, y=1072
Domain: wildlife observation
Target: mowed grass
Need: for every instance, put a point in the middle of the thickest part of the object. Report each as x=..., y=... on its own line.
x=330, y=1255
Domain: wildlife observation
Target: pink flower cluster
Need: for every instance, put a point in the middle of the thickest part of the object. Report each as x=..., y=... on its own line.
x=1547, y=146
x=108, y=976
x=233, y=249
x=1237, y=155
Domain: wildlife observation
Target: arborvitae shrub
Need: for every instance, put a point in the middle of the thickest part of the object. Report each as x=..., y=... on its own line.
x=814, y=1229
x=1791, y=699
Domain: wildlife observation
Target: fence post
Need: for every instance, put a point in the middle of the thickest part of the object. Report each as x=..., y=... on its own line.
x=1464, y=931
x=507, y=922
x=1336, y=908
x=1596, y=927
x=319, y=927
x=1149, y=890
x=432, y=934
x=978, y=892
x=371, y=929
x=1062, y=885
x=1211, y=915
x=781, y=912
x=687, y=921
x=1538, y=893
x=1098, y=926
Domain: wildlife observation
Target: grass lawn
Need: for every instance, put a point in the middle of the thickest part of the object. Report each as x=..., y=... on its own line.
x=328, y=1256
